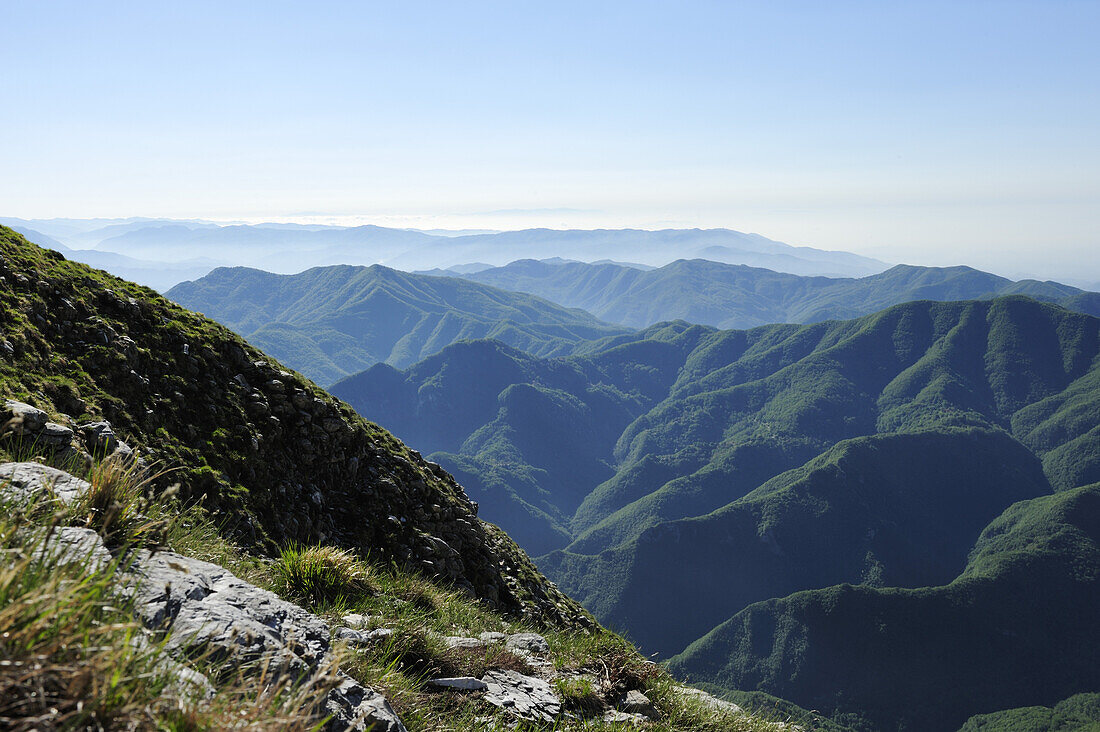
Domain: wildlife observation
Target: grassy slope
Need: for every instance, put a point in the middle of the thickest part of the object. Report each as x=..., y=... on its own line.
x=260, y=444
x=333, y=321
x=736, y=296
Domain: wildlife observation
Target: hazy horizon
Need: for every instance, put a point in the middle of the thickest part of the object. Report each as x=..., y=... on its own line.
x=931, y=133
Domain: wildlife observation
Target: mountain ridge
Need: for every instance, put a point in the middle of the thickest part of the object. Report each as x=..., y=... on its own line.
x=333, y=321
x=737, y=296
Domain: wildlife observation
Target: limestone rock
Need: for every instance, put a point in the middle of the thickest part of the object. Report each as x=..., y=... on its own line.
x=30, y=419
x=457, y=641
x=707, y=699
x=358, y=622
x=355, y=708
x=635, y=702
x=529, y=642
x=616, y=716
x=492, y=637
x=524, y=696
x=73, y=545
x=466, y=683
x=54, y=436
x=100, y=438
x=26, y=481
x=362, y=638
x=203, y=606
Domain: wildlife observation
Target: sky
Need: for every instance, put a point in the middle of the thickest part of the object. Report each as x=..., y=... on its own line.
x=920, y=132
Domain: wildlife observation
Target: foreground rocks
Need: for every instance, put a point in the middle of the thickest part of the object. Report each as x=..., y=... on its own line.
x=203, y=610
x=196, y=609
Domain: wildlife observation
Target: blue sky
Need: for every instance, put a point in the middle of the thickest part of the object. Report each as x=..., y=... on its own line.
x=925, y=132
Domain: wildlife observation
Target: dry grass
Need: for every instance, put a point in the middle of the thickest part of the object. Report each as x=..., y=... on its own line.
x=119, y=506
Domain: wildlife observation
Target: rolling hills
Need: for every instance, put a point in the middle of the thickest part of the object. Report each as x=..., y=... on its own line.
x=328, y=322
x=738, y=296
x=683, y=475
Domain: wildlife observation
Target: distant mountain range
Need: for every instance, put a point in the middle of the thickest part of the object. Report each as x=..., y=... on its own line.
x=329, y=322
x=856, y=515
x=158, y=275
x=291, y=248
x=738, y=296
x=633, y=245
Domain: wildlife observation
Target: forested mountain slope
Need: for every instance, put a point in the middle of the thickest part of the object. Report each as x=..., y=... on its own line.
x=684, y=474
x=329, y=322
x=739, y=296
x=1011, y=630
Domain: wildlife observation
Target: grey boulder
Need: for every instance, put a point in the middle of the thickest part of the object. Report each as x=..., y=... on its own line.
x=204, y=608
x=28, y=418
x=24, y=482
x=528, y=642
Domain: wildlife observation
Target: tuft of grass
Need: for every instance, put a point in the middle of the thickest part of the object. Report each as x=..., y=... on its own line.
x=579, y=694
x=118, y=505
x=321, y=576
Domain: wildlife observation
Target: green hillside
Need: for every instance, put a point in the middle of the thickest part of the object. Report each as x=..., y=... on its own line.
x=683, y=474
x=1019, y=624
x=329, y=322
x=738, y=296
x=1079, y=713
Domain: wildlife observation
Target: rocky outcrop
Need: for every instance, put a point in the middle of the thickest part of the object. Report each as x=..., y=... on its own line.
x=203, y=610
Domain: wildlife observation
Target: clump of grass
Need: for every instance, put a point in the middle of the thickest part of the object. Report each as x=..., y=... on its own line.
x=609, y=657
x=690, y=712
x=321, y=576
x=118, y=507
x=65, y=656
x=579, y=694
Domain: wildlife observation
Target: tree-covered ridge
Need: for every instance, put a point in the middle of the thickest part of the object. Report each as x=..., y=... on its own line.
x=739, y=296
x=731, y=468
x=329, y=322
x=1018, y=626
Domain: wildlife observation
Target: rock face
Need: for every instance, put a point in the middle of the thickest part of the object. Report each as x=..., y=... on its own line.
x=247, y=435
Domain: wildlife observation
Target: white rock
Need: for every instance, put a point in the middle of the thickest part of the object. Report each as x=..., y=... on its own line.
x=530, y=642
x=26, y=481
x=468, y=683
x=524, y=696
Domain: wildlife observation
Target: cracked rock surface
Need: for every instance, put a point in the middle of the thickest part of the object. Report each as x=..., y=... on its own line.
x=526, y=697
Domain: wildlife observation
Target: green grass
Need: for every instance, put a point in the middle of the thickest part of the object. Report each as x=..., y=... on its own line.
x=321, y=576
